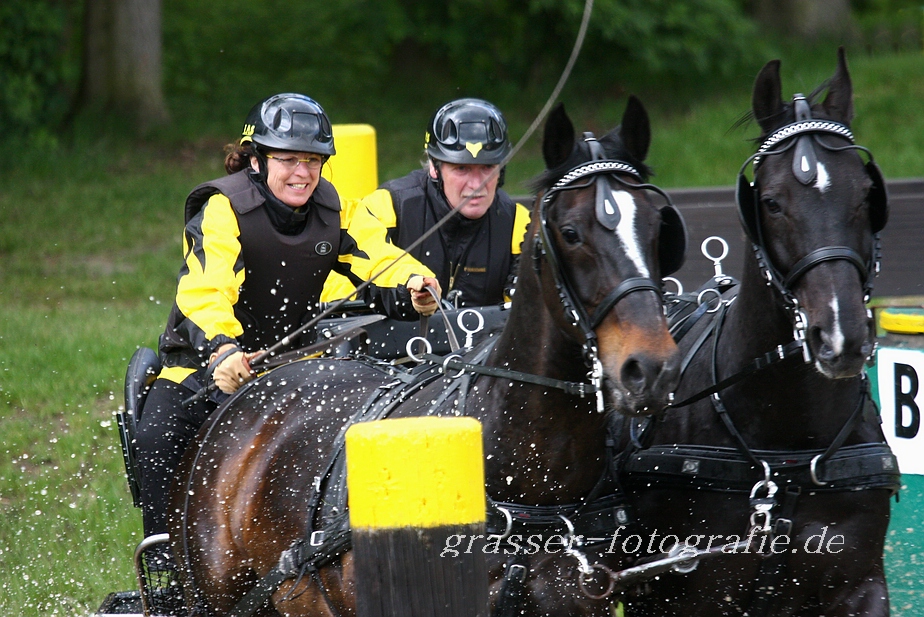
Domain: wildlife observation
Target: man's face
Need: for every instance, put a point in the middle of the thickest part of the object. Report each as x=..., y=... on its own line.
x=463, y=183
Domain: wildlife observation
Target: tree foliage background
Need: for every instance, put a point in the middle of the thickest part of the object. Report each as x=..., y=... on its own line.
x=221, y=56
x=350, y=50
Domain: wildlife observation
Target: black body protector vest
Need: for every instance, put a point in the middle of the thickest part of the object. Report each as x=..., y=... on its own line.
x=284, y=274
x=472, y=256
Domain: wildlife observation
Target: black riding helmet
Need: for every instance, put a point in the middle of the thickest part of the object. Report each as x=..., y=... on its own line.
x=287, y=121
x=468, y=132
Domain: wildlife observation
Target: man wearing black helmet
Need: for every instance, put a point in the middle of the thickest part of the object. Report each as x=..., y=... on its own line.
x=258, y=245
x=474, y=254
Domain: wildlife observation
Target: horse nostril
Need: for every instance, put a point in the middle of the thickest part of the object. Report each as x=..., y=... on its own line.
x=819, y=342
x=643, y=375
x=632, y=376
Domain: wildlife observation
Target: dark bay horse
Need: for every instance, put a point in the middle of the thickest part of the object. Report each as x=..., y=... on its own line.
x=587, y=321
x=788, y=451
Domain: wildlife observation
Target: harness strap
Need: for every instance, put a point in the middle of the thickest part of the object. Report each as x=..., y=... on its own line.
x=722, y=411
x=726, y=469
x=772, y=570
x=851, y=422
x=635, y=283
x=716, y=400
x=300, y=555
x=452, y=362
x=254, y=599
x=595, y=521
x=828, y=253
x=510, y=598
x=684, y=319
x=783, y=352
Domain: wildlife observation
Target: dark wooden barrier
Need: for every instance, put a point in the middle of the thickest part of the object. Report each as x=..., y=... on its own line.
x=712, y=212
x=417, y=510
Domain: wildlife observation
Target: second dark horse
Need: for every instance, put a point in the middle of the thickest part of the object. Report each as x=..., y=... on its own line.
x=787, y=456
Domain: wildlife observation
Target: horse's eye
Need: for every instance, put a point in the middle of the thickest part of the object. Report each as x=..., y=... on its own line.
x=570, y=235
x=771, y=205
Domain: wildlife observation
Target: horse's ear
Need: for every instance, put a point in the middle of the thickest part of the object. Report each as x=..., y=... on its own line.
x=558, y=140
x=635, y=129
x=766, y=100
x=838, y=103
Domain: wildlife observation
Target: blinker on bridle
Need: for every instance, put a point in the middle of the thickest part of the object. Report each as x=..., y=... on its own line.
x=802, y=136
x=599, y=171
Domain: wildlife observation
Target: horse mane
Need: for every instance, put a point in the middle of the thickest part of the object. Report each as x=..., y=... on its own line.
x=613, y=148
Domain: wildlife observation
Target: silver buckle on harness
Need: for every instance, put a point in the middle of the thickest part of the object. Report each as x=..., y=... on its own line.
x=813, y=471
x=508, y=522
x=596, y=378
x=516, y=572
x=716, y=260
x=446, y=369
x=798, y=333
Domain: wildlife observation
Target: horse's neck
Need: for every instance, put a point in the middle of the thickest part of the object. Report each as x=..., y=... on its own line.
x=789, y=404
x=541, y=445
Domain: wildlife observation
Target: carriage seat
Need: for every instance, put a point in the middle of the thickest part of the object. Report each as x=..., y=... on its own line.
x=143, y=369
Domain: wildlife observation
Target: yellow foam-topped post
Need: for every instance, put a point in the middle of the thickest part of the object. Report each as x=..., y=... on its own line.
x=416, y=488
x=354, y=173
x=354, y=169
x=902, y=319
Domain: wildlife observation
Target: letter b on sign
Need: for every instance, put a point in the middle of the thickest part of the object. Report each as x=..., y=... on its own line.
x=905, y=375
x=901, y=399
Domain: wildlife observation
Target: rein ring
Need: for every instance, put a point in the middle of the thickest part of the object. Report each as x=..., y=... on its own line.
x=676, y=282
x=410, y=346
x=585, y=579
x=446, y=369
x=702, y=295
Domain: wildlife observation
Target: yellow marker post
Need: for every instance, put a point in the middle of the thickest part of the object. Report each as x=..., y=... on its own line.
x=354, y=173
x=354, y=169
x=416, y=489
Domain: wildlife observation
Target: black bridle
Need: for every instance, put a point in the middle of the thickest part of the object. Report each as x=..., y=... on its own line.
x=599, y=172
x=802, y=136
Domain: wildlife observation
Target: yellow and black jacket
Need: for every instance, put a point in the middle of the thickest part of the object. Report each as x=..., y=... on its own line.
x=477, y=258
x=244, y=281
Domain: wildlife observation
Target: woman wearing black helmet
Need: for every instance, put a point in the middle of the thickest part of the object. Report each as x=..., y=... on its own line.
x=474, y=254
x=258, y=245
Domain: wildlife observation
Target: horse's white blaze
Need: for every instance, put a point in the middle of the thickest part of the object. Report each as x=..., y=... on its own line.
x=822, y=179
x=837, y=335
x=625, y=230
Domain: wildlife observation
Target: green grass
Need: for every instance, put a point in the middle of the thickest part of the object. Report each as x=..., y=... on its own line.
x=90, y=246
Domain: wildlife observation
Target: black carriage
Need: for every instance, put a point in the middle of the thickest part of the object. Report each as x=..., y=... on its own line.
x=353, y=331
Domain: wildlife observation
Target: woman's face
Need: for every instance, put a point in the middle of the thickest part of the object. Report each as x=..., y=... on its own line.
x=291, y=176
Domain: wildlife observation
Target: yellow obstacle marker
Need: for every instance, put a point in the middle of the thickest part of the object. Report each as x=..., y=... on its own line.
x=415, y=486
